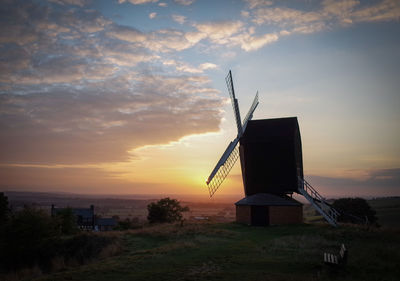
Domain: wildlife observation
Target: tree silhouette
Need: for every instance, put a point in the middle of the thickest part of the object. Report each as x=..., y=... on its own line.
x=165, y=210
x=67, y=221
x=354, y=210
x=4, y=210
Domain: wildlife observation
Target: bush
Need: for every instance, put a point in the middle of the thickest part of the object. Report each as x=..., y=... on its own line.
x=165, y=210
x=84, y=247
x=30, y=237
x=354, y=210
x=67, y=221
x=128, y=224
x=4, y=210
x=31, y=241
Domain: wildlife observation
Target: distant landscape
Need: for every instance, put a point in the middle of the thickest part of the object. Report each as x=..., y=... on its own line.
x=387, y=208
x=133, y=207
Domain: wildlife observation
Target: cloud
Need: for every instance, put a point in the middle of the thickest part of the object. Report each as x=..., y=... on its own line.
x=233, y=33
x=100, y=124
x=375, y=182
x=13, y=60
x=329, y=14
x=76, y=88
x=249, y=42
x=184, y=67
x=220, y=32
x=185, y=2
x=245, y=14
x=79, y=3
x=258, y=3
x=227, y=33
x=341, y=10
x=387, y=10
x=137, y=2
x=167, y=40
x=164, y=40
x=207, y=65
x=194, y=37
x=152, y=15
x=284, y=16
x=120, y=54
x=127, y=34
x=162, y=4
x=179, y=19
x=81, y=179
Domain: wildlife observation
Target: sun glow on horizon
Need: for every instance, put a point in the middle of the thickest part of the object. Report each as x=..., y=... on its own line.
x=121, y=102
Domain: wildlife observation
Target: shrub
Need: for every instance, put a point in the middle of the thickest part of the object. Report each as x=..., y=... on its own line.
x=30, y=237
x=128, y=224
x=67, y=221
x=354, y=210
x=4, y=210
x=84, y=247
x=165, y=210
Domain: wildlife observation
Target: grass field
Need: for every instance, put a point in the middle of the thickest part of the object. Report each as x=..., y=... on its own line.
x=235, y=252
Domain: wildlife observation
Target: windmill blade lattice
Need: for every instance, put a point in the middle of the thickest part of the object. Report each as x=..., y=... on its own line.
x=231, y=154
x=223, y=171
x=235, y=104
x=249, y=115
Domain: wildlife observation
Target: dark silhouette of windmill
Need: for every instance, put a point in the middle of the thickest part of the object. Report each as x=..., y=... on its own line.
x=272, y=169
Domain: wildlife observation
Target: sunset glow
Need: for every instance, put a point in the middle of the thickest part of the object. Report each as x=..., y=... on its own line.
x=129, y=97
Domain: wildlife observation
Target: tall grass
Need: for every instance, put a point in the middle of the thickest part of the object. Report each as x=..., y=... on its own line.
x=73, y=251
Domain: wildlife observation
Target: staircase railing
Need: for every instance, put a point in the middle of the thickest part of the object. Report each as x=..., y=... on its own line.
x=318, y=202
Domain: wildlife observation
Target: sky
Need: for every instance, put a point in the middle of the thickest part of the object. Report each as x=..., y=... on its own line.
x=129, y=96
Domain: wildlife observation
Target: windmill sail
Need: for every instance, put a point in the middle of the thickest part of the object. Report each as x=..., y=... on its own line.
x=249, y=115
x=231, y=154
x=223, y=167
x=235, y=105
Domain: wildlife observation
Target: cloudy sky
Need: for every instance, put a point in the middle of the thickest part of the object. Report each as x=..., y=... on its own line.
x=129, y=97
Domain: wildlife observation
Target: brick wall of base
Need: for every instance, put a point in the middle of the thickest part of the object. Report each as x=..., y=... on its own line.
x=285, y=214
x=243, y=214
x=278, y=215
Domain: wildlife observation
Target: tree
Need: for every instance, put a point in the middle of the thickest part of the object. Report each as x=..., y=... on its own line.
x=67, y=221
x=354, y=210
x=4, y=210
x=30, y=237
x=165, y=210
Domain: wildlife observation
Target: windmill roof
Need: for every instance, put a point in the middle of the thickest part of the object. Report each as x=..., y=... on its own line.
x=265, y=129
x=263, y=199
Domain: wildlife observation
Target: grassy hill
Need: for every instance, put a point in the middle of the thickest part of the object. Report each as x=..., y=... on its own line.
x=235, y=252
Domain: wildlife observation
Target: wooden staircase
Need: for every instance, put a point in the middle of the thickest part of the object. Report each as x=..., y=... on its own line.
x=318, y=202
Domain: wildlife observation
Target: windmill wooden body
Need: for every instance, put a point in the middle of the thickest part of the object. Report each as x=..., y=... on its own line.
x=270, y=153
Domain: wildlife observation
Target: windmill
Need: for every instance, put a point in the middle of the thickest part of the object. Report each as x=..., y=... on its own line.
x=270, y=154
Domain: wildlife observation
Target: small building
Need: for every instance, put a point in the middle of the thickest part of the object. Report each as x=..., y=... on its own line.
x=264, y=209
x=105, y=224
x=85, y=217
